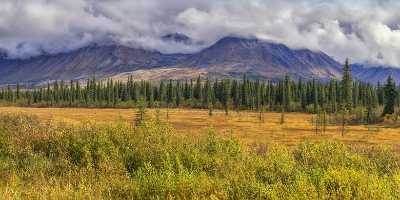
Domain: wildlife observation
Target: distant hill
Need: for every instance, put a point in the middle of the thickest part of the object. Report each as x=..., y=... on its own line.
x=228, y=57
x=375, y=73
x=99, y=60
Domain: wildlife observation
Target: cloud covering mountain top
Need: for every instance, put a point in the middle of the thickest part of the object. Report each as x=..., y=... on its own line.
x=363, y=30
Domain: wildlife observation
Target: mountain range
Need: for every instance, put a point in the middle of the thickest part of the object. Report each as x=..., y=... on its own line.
x=228, y=57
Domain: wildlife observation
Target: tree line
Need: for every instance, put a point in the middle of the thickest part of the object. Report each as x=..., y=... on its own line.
x=228, y=94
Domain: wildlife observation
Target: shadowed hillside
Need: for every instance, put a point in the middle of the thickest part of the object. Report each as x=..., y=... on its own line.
x=227, y=58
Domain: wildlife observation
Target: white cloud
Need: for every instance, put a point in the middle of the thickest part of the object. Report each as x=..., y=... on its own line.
x=363, y=30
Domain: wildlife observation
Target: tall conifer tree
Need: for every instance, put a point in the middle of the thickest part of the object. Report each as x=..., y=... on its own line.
x=347, y=84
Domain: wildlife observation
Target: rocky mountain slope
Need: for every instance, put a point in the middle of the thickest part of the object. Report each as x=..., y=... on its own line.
x=232, y=56
x=228, y=57
x=95, y=60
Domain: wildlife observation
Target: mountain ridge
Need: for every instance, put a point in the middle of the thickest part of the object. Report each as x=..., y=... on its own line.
x=265, y=59
x=228, y=57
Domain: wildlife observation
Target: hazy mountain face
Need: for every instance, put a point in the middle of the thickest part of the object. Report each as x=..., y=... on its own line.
x=229, y=57
x=375, y=73
x=99, y=61
x=234, y=55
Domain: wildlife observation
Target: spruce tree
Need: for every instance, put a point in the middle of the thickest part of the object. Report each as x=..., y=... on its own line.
x=287, y=93
x=178, y=96
x=225, y=87
x=235, y=94
x=161, y=93
x=170, y=93
x=17, y=92
x=197, y=89
x=347, y=84
x=315, y=96
x=390, y=96
x=208, y=92
x=244, y=92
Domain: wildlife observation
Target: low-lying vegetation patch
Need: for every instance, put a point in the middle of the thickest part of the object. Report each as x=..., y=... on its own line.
x=40, y=160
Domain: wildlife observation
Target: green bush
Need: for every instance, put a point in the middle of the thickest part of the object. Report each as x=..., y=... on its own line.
x=40, y=160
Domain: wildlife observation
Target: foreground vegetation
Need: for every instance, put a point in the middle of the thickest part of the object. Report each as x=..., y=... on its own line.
x=43, y=160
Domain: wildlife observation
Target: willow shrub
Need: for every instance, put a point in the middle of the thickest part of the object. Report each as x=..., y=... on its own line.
x=55, y=161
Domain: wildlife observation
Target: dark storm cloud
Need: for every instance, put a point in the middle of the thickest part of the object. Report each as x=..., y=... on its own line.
x=364, y=30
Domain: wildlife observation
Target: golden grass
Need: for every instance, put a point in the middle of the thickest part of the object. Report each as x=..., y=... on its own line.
x=245, y=126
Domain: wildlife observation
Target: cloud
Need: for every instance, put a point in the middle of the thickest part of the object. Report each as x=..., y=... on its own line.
x=363, y=30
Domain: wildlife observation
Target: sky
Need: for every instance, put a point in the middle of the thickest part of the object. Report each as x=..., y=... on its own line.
x=365, y=31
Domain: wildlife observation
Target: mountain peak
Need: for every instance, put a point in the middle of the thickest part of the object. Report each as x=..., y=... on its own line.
x=237, y=40
x=269, y=60
x=177, y=38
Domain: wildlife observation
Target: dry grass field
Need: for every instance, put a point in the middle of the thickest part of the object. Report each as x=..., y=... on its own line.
x=244, y=126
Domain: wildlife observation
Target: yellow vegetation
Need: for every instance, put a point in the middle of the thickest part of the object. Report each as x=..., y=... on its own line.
x=245, y=126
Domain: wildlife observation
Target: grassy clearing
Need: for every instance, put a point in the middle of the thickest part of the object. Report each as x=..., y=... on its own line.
x=47, y=160
x=244, y=126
